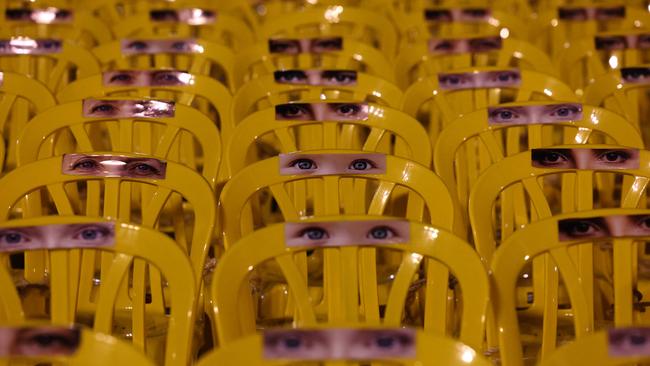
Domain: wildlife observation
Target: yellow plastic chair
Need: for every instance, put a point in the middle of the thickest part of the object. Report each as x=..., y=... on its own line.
x=204, y=58
x=181, y=203
x=55, y=70
x=227, y=30
x=201, y=92
x=347, y=300
x=471, y=144
x=83, y=28
x=256, y=61
x=594, y=350
x=369, y=194
x=611, y=91
x=543, y=237
x=264, y=91
x=416, y=61
x=430, y=350
x=357, y=24
x=94, y=348
x=189, y=137
x=583, y=62
x=21, y=99
x=437, y=106
x=124, y=261
x=386, y=130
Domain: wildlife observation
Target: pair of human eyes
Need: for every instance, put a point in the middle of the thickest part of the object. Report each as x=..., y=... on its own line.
x=612, y=42
x=375, y=344
x=164, y=15
x=320, y=45
x=505, y=114
x=48, y=341
x=332, y=77
x=355, y=165
x=376, y=233
x=143, y=46
x=592, y=228
x=484, y=44
x=463, y=79
x=135, y=168
x=297, y=111
x=160, y=78
x=634, y=74
x=86, y=233
x=561, y=158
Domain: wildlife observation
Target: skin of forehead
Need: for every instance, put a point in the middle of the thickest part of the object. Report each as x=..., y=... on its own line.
x=346, y=232
x=332, y=163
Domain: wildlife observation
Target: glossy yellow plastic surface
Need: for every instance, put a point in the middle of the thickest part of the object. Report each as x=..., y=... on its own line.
x=20, y=98
x=164, y=138
x=256, y=61
x=117, y=198
x=416, y=61
x=346, y=264
x=200, y=89
x=542, y=237
x=373, y=134
x=213, y=59
x=456, y=154
x=94, y=349
x=443, y=106
x=263, y=92
x=55, y=70
x=432, y=350
x=357, y=24
x=427, y=193
x=134, y=246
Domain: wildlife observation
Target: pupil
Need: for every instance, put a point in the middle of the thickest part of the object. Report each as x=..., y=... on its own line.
x=178, y=45
x=89, y=234
x=13, y=238
x=503, y=77
x=385, y=342
x=553, y=157
x=304, y=164
x=379, y=233
x=315, y=234
x=582, y=227
x=139, y=45
x=143, y=167
x=87, y=164
x=506, y=114
x=611, y=156
x=44, y=340
x=292, y=343
x=637, y=339
x=563, y=112
x=454, y=80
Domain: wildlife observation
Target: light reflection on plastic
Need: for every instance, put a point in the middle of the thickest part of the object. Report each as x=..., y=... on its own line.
x=416, y=258
x=432, y=232
x=619, y=86
x=357, y=57
x=186, y=78
x=376, y=111
x=493, y=22
x=22, y=45
x=518, y=54
x=113, y=162
x=332, y=13
x=468, y=355
x=376, y=93
x=526, y=257
x=554, y=22
x=45, y=16
x=548, y=92
x=594, y=118
x=504, y=33
x=613, y=62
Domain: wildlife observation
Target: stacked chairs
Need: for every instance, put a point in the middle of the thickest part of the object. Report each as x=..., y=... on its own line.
x=360, y=182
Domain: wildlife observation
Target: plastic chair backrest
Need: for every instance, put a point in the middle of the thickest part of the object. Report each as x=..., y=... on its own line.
x=159, y=202
x=436, y=106
x=456, y=153
x=55, y=70
x=199, y=90
x=94, y=348
x=205, y=58
x=543, y=237
x=347, y=299
x=431, y=350
x=126, y=135
x=264, y=91
x=133, y=246
x=337, y=194
x=358, y=24
x=256, y=61
x=21, y=98
x=416, y=61
x=83, y=28
x=374, y=134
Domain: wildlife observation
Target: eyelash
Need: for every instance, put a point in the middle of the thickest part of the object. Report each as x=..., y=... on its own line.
x=77, y=165
x=355, y=109
x=133, y=166
x=121, y=78
x=312, y=166
x=99, y=229
x=370, y=164
x=620, y=154
x=22, y=237
x=97, y=109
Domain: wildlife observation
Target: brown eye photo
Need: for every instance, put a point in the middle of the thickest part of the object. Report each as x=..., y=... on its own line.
x=163, y=15
x=64, y=236
x=634, y=75
x=39, y=341
x=18, y=14
x=585, y=158
x=298, y=77
x=608, y=13
x=444, y=46
x=322, y=111
x=484, y=44
x=339, y=344
x=614, y=226
x=573, y=14
x=323, y=45
x=328, y=164
x=610, y=43
x=474, y=14
x=117, y=108
x=438, y=15
x=643, y=41
x=113, y=166
x=286, y=46
x=294, y=111
x=628, y=342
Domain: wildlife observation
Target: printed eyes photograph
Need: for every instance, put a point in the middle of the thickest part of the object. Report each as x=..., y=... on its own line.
x=113, y=166
x=341, y=233
x=548, y=113
x=485, y=79
x=457, y=15
x=602, y=159
x=604, y=227
x=591, y=13
x=316, y=77
x=339, y=344
x=39, y=341
x=139, y=46
x=307, y=45
x=454, y=46
x=635, y=74
x=322, y=111
x=191, y=16
x=25, y=45
x=628, y=342
x=40, y=16
x=146, y=78
x=620, y=42
x=324, y=164
x=151, y=108
x=85, y=235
